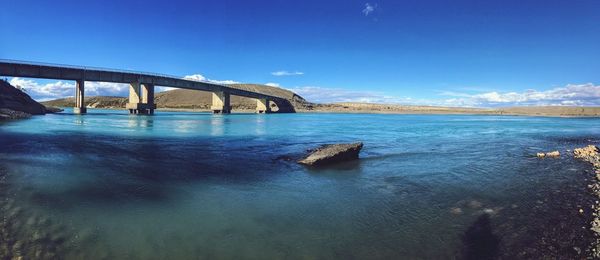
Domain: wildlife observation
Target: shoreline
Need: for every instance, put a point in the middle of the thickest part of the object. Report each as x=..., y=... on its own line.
x=590, y=155
x=389, y=112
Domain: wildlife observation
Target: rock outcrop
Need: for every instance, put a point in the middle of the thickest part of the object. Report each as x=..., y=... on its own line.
x=17, y=100
x=332, y=153
x=586, y=152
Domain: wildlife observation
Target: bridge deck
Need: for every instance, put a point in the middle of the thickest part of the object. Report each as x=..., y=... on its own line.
x=13, y=68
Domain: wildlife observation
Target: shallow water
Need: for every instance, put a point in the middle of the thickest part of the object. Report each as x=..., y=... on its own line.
x=187, y=185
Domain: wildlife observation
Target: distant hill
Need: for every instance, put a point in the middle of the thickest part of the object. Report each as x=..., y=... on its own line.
x=194, y=99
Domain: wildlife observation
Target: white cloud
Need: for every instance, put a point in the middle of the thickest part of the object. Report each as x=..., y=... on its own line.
x=369, y=8
x=62, y=89
x=286, y=73
x=195, y=77
x=272, y=84
x=570, y=95
x=199, y=77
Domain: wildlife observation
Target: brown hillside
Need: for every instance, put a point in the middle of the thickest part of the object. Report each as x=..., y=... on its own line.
x=193, y=99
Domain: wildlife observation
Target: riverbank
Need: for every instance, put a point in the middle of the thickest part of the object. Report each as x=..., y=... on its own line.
x=554, y=111
x=590, y=155
x=419, y=110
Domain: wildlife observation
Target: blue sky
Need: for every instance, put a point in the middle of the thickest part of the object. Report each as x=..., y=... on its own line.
x=470, y=53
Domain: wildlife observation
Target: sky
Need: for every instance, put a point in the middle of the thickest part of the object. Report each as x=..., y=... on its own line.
x=453, y=53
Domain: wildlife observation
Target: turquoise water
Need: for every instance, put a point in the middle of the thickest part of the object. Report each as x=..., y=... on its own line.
x=177, y=185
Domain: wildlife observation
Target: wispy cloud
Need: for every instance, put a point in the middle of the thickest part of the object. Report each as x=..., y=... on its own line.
x=286, y=73
x=369, y=8
x=332, y=95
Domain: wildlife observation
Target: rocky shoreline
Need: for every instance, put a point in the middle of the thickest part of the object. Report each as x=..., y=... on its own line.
x=16, y=104
x=590, y=154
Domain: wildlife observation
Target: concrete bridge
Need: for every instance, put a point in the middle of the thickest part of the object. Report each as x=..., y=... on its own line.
x=141, y=85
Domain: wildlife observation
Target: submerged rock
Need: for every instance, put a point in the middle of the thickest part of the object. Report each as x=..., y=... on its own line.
x=333, y=153
x=548, y=154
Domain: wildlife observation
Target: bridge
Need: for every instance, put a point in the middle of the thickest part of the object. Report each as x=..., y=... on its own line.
x=141, y=85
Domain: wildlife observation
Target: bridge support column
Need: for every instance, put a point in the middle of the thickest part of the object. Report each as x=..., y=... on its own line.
x=79, y=97
x=148, y=98
x=221, y=102
x=141, y=98
x=262, y=106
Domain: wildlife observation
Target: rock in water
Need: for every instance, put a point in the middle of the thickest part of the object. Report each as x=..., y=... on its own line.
x=588, y=151
x=548, y=154
x=333, y=153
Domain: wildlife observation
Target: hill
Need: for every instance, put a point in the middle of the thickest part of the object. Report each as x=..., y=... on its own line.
x=193, y=99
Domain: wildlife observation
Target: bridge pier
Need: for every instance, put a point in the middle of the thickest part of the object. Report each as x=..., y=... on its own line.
x=141, y=98
x=262, y=106
x=79, y=97
x=221, y=102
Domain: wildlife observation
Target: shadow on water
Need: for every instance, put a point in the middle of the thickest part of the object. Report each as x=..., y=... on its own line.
x=479, y=241
x=349, y=166
x=104, y=169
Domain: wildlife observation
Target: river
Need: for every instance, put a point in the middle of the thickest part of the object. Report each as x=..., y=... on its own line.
x=177, y=185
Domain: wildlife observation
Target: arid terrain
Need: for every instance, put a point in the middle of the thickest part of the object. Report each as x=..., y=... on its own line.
x=200, y=101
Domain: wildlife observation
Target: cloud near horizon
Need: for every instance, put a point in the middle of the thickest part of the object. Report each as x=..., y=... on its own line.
x=63, y=89
x=286, y=73
x=199, y=77
x=570, y=95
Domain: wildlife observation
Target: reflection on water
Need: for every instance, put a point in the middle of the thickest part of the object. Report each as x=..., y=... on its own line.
x=140, y=121
x=184, y=185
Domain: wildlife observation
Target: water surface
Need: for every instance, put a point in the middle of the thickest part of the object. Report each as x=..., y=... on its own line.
x=108, y=185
